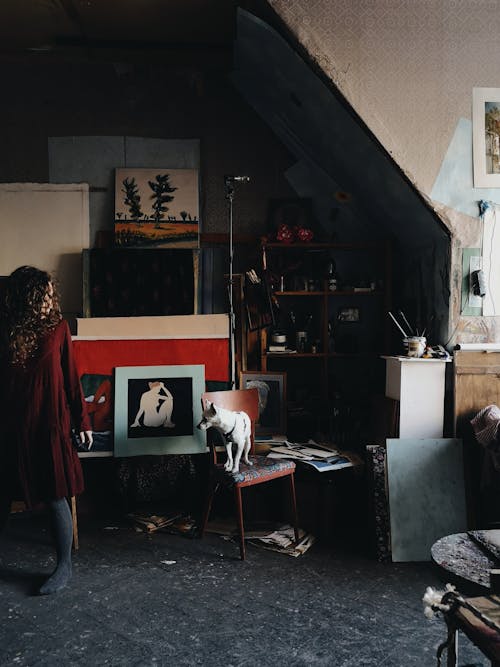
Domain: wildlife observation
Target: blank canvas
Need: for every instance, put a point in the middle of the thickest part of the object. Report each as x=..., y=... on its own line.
x=426, y=494
x=46, y=225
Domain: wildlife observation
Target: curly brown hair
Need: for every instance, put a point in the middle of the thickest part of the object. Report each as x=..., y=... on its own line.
x=24, y=323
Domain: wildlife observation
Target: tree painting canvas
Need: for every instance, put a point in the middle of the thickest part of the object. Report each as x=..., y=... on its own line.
x=157, y=208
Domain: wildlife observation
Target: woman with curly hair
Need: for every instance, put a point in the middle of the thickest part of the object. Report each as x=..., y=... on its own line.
x=41, y=400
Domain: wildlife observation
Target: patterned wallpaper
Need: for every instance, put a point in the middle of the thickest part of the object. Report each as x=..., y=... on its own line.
x=407, y=66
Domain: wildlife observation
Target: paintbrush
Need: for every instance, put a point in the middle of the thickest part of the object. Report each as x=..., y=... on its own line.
x=407, y=323
x=398, y=325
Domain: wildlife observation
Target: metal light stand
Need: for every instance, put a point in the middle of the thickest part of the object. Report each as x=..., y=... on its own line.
x=229, y=193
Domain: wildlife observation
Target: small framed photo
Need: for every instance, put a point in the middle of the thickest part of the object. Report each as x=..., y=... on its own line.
x=349, y=314
x=272, y=400
x=258, y=305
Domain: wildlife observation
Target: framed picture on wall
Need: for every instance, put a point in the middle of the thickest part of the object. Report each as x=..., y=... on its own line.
x=348, y=314
x=157, y=409
x=157, y=207
x=486, y=137
x=272, y=400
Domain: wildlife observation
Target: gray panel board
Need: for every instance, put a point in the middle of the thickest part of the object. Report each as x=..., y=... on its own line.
x=426, y=494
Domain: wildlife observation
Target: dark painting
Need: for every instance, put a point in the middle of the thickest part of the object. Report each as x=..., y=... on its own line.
x=134, y=283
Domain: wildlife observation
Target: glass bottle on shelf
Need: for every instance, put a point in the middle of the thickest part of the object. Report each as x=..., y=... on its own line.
x=308, y=328
x=292, y=329
x=331, y=276
x=331, y=341
x=301, y=341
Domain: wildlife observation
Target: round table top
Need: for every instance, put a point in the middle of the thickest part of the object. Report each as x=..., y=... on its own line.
x=462, y=557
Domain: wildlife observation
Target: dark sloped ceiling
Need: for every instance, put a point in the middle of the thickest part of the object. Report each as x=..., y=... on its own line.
x=329, y=140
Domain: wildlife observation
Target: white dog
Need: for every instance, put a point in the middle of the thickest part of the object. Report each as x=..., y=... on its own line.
x=157, y=406
x=235, y=427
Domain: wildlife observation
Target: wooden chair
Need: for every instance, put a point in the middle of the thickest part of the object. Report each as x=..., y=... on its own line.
x=262, y=470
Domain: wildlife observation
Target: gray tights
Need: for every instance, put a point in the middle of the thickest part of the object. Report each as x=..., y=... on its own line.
x=62, y=529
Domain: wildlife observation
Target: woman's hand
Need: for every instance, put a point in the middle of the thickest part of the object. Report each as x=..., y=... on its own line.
x=87, y=438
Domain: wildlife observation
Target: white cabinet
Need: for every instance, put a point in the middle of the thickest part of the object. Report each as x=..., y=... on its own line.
x=418, y=385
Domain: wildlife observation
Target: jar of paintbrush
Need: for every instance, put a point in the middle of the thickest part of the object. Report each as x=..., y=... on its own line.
x=413, y=345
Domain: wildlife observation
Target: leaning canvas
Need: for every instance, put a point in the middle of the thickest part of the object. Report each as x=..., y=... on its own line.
x=426, y=494
x=98, y=393
x=157, y=208
x=157, y=410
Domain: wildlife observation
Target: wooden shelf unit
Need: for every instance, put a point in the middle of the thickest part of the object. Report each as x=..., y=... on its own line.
x=322, y=368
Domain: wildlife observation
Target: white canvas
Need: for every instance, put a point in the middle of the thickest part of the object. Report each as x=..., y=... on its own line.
x=46, y=225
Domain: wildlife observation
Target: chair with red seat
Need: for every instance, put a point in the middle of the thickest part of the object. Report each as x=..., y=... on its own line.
x=263, y=469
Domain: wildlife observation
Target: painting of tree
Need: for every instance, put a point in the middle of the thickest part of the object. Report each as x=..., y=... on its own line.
x=161, y=196
x=157, y=207
x=132, y=198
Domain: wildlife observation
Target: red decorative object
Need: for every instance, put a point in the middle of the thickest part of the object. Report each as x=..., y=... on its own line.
x=304, y=234
x=285, y=234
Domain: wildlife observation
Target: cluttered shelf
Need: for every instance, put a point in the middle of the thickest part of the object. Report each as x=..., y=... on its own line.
x=296, y=355
x=351, y=292
x=312, y=245
x=292, y=354
x=324, y=339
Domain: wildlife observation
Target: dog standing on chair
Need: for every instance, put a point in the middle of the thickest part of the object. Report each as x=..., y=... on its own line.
x=235, y=427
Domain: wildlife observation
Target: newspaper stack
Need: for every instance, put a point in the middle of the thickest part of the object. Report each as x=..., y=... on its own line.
x=150, y=523
x=322, y=457
x=282, y=540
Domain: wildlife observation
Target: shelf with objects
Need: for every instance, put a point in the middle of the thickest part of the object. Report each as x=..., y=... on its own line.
x=330, y=304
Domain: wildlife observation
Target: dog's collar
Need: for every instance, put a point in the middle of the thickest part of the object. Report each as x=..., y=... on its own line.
x=226, y=435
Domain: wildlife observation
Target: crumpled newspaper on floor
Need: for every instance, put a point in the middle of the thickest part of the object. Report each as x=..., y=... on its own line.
x=282, y=540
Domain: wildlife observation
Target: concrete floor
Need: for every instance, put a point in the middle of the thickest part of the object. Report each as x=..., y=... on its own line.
x=170, y=600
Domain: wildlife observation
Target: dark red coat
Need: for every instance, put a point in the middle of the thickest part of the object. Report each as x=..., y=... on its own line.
x=38, y=406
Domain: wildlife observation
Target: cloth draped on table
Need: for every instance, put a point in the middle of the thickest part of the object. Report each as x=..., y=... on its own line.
x=486, y=427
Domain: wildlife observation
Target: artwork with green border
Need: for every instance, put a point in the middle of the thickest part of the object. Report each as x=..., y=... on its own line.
x=157, y=410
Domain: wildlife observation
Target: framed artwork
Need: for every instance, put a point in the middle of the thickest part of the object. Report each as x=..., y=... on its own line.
x=486, y=137
x=98, y=393
x=157, y=409
x=348, y=315
x=258, y=305
x=157, y=207
x=272, y=400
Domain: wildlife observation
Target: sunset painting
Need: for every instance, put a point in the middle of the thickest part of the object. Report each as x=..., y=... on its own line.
x=157, y=208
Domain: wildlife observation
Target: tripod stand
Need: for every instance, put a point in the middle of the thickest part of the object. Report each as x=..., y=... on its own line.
x=229, y=182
